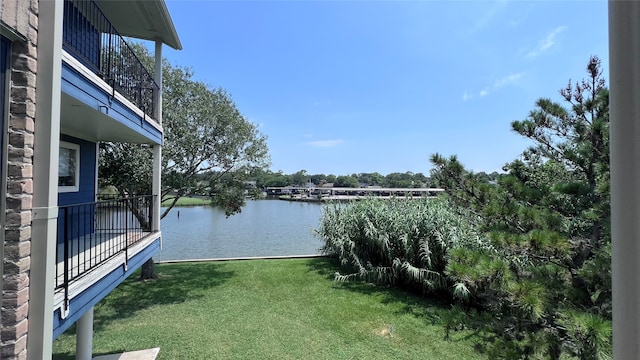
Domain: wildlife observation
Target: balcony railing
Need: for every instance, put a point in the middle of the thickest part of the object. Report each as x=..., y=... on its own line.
x=91, y=38
x=91, y=234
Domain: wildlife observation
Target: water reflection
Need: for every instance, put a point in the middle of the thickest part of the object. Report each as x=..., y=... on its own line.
x=264, y=228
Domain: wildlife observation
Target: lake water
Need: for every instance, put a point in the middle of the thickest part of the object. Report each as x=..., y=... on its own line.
x=264, y=228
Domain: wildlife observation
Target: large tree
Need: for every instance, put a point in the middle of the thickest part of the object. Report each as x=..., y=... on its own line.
x=547, y=283
x=346, y=181
x=371, y=179
x=204, y=133
x=300, y=178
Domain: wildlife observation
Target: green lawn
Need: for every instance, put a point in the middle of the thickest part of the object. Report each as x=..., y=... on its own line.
x=268, y=309
x=188, y=201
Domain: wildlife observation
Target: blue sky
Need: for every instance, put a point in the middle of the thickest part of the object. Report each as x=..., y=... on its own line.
x=343, y=87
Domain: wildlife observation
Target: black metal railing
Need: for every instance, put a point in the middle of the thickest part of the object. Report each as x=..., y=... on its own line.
x=91, y=38
x=92, y=233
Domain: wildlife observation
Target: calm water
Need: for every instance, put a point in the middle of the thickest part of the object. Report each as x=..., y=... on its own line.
x=264, y=228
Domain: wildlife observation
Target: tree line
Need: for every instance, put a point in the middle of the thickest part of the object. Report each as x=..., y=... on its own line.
x=268, y=178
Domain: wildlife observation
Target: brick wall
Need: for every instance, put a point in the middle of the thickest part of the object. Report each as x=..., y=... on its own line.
x=16, y=14
x=22, y=16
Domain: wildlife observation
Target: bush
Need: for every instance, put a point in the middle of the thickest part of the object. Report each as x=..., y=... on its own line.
x=396, y=241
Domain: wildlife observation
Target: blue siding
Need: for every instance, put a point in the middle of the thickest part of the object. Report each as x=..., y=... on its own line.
x=80, y=36
x=87, y=188
x=79, y=87
x=84, y=301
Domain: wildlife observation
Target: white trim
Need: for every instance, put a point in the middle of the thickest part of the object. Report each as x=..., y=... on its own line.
x=624, y=112
x=45, y=213
x=85, y=72
x=157, y=77
x=45, y=185
x=96, y=188
x=76, y=186
x=157, y=149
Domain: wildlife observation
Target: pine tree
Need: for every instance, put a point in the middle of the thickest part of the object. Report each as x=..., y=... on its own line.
x=547, y=283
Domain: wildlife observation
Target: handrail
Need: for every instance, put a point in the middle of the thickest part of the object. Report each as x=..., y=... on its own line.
x=90, y=234
x=90, y=37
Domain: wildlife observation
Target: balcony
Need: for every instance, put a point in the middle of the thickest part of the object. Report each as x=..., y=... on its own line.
x=101, y=235
x=90, y=38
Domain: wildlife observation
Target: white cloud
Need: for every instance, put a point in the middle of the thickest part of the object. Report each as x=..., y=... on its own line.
x=502, y=82
x=507, y=80
x=467, y=96
x=487, y=17
x=546, y=43
x=515, y=22
x=522, y=14
x=322, y=103
x=325, y=143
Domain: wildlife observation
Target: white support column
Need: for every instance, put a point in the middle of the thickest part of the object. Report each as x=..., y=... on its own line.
x=158, y=78
x=157, y=170
x=157, y=149
x=96, y=188
x=45, y=180
x=84, y=336
x=624, y=67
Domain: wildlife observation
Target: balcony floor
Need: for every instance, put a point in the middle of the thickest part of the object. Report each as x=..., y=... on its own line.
x=90, y=264
x=72, y=299
x=97, y=248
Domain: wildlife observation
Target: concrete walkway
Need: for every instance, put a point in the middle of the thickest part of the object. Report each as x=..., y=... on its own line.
x=149, y=354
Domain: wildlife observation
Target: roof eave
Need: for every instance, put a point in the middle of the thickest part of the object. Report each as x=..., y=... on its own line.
x=146, y=20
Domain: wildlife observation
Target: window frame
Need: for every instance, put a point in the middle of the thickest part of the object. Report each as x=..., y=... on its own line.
x=76, y=186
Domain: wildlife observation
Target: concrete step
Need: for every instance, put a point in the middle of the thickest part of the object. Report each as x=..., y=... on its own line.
x=149, y=354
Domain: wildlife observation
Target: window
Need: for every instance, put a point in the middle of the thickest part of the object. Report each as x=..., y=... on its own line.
x=68, y=167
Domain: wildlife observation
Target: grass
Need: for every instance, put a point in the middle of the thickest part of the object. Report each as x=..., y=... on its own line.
x=268, y=309
x=188, y=201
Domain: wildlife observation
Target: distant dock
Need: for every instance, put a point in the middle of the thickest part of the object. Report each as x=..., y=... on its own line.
x=323, y=194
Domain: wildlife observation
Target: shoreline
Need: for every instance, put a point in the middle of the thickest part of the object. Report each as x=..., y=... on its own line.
x=243, y=258
x=339, y=198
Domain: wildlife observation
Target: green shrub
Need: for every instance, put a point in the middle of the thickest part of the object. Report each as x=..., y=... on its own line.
x=396, y=241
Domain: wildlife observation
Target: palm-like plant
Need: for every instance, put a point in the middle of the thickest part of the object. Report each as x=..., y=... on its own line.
x=396, y=241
